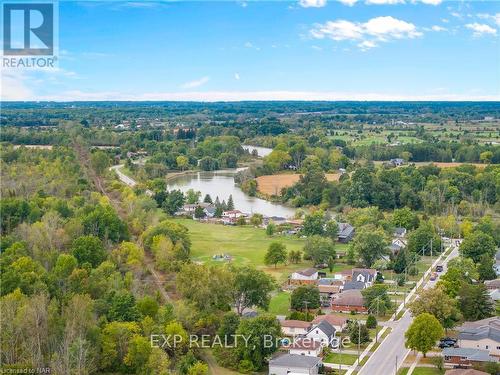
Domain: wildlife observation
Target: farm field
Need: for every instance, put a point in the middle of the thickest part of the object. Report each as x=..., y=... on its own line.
x=272, y=184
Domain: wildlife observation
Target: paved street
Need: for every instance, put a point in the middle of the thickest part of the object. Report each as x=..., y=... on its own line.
x=392, y=352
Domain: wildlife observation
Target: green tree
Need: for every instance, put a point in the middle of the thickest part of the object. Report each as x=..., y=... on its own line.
x=423, y=333
x=405, y=218
x=371, y=321
x=263, y=332
x=319, y=249
x=99, y=161
x=182, y=162
x=369, y=245
x=207, y=199
x=314, y=224
x=139, y=350
x=115, y=339
x=276, y=253
x=230, y=203
x=358, y=333
x=199, y=212
x=294, y=256
x=376, y=299
x=421, y=239
x=485, y=268
x=250, y=287
x=122, y=308
x=475, y=302
x=256, y=220
x=270, y=229
x=88, y=249
x=436, y=302
x=148, y=306
x=305, y=296
x=198, y=368
x=476, y=245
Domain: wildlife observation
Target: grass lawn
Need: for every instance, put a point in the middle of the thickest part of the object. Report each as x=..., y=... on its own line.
x=247, y=245
x=422, y=371
x=280, y=304
x=343, y=359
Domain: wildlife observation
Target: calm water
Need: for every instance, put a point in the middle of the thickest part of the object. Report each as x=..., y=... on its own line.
x=221, y=184
x=261, y=151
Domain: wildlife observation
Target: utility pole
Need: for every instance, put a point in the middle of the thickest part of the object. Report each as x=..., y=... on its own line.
x=376, y=326
x=396, y=369
x=359, y=338
x=307, y=311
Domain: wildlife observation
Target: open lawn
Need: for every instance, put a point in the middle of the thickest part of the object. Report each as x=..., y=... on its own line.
x=272, y=184
x=246, y=245
x=280, y=304
x=343, y=359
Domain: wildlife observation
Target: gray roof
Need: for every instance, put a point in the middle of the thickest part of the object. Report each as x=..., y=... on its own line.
x=470, y=353
x=400, y=231
x=295, y=360
x=486, y=328
x=345, y=230
x=308, y=271
x=326, y=327
x=326, y=281
x=354, y=285
x=368, y=273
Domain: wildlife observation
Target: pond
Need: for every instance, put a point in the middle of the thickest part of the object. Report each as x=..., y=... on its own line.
x=221, y=184
x=261, y=151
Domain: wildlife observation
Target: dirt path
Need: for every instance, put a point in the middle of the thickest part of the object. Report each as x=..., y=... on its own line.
x=84, y=159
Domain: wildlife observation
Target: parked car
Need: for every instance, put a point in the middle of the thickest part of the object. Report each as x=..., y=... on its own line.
x=447, y=342
x=434, y=276
x=439, y=268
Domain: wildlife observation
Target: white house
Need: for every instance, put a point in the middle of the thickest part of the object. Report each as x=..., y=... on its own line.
x=364, y=275
x=482, y=334
x=290, y=364
x=307, y=276
x=294, y=327
x=324, y=333
x=306, y=346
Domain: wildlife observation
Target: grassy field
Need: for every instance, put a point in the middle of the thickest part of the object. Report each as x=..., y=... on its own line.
x=280, y=304
x=246, y=245
x=343, y=359
x=272, y=184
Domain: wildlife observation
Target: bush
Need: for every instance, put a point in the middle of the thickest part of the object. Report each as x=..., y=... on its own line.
x=245, y=367
x=371, y=322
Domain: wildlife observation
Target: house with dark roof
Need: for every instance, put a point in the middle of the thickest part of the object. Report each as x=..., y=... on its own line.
x=466, y=357
x=337, y=321
x=482, y=334
x=294, y=364
x=399, y=232
x=323, y=332
x=346, y=232
x=397, y=245
x=351, y=300
x=365, y=275
x=353, y=285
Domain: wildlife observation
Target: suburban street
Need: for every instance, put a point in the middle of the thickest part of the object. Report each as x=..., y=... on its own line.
x=387, y=359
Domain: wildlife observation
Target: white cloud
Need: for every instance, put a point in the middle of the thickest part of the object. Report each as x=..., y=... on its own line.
x=493, y=17
x=438, y=28
x=248, y=45
x=237, y=76
x=432, y=2
x=212, y=96
x=13, y=86
x=349, y=3
x=378, y=29
x=480, y=29
x=312, y=3
x=384, y=2
x=195, y=83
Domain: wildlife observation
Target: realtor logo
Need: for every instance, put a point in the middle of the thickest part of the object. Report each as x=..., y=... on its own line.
x=28, y=29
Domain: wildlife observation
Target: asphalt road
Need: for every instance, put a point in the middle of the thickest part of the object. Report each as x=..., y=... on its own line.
x=392, y=352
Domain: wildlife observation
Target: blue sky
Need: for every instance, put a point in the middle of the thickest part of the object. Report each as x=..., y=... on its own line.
x=307, y=49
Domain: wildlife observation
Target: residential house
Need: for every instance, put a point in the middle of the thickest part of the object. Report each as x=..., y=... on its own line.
x=307, y=276
x=288, y=364
x=365, y=275
x=323, y=332
x=482, y=334
x=346, y=232
x=231, y=216
x=494, y=295
x=353, y=285
x=305, y=346
x=337, y=321
x=466, y=357
x=327, y=288
x=397, y=245
x=351, y=300
x=399, y=232
x=295, y=327
x=397, y=162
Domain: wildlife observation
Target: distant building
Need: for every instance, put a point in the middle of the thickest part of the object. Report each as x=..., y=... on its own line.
x=397, y=162
x=364, y=275
x=400, y=232
x=337, y=321
x=288, y=364
x=346, y=232
x=466, y=357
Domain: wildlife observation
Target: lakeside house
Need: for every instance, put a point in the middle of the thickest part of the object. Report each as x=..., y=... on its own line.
x=466, y=357
x=287, y=364
x=482, y=334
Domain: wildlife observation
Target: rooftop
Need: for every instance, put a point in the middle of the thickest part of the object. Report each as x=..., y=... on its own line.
x=295, y=360
x=295, y=324
x=469, y=353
